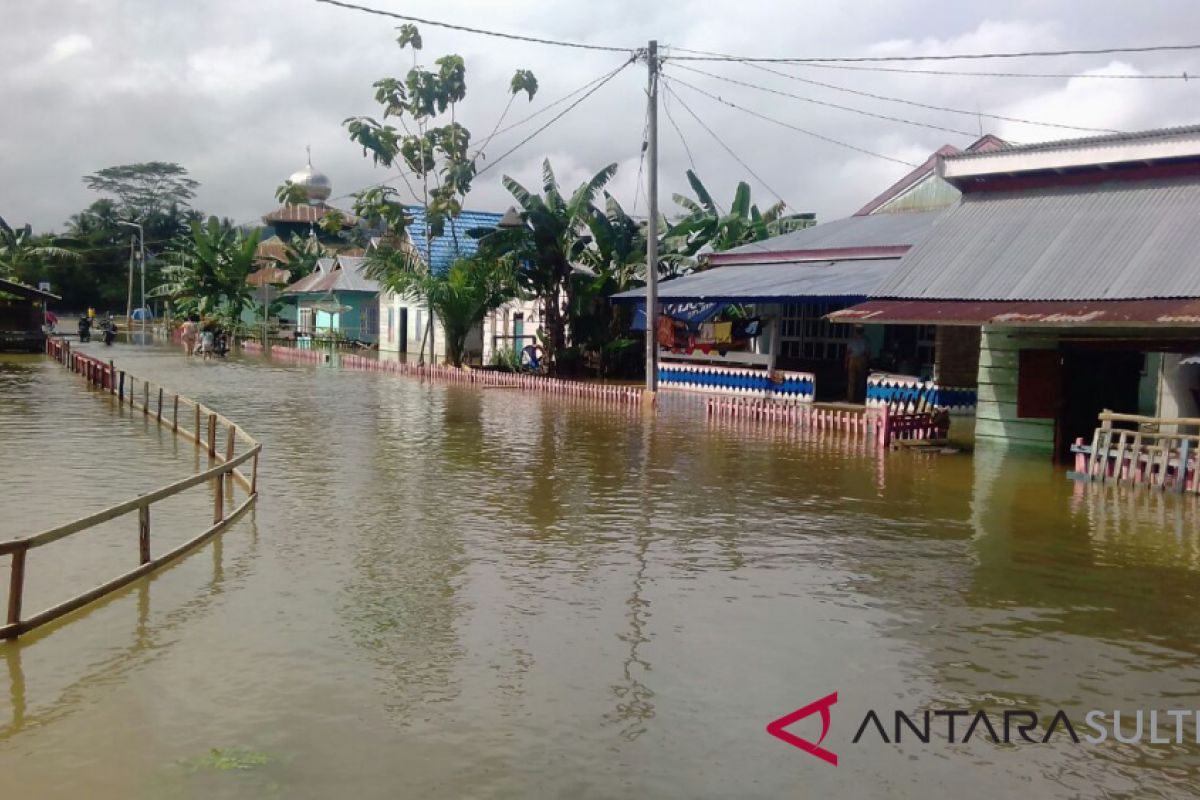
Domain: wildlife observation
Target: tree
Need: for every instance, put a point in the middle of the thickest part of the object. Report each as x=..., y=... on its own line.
x=461, y=297
x=437, y=151
x=208, y=270
x=706, y=228
x=23, y=256
x=145, y=188
x=554, y=238
x=301, y=254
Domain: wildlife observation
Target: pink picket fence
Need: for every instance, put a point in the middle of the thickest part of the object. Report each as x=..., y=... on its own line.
x=607, y=395
x=879, y=424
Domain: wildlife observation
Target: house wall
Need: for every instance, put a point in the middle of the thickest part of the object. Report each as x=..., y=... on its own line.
x=996, y=420
x=956, y=355
x=407, y=341
x=499, y=326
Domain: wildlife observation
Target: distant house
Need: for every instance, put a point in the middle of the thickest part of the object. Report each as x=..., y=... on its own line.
x=1076, y=263
x=403, y=320
x=336, y=301
x=22, y=317
x=795, y=280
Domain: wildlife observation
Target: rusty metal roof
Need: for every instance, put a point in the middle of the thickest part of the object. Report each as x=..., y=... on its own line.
x=308, y=213
x=1109, y=241
x=1180, y=313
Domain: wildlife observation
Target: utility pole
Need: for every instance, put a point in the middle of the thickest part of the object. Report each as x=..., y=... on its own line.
x=129, y=297
x=652, y=226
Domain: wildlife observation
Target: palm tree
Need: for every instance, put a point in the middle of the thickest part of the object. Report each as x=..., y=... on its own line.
x=461, y=297
x=550, y=244
x=706, y=228
x=22, y=256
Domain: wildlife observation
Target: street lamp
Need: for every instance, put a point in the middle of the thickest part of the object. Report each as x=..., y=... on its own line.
x=142, y=239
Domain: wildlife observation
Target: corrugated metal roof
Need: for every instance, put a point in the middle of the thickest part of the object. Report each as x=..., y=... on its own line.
x=313, y=213
x=1061, y=313
x=879, y=230
x=454, y=243
x=1112, y=241
x=1155, y=134
x=771, y=283
x=338, y=274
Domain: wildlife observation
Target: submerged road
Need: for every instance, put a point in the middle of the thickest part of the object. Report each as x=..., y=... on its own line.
x=454, y=592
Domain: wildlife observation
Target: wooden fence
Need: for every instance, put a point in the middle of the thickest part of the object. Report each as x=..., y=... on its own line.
x=153, y=401
x=879, y=424
x=1141, y=456
x=625, y=396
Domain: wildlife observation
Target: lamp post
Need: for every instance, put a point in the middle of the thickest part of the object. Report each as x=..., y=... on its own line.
x=142, y=244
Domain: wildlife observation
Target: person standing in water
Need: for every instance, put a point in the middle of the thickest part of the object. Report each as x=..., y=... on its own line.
x=187, y=335
x=858, y=349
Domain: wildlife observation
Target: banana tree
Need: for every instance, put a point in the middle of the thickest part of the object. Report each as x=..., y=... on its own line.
x=706, y=228
x=546, y=249
x=209, y=268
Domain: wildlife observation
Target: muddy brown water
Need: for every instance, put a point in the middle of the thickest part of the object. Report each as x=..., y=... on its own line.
x=453, y=592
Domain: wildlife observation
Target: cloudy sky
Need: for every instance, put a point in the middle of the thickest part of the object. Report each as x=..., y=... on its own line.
x=235, y=89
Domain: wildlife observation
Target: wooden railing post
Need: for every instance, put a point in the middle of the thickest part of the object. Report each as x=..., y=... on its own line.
x=112, y=372
x=160, y=398
x=121, y=388
x=230, y=431
x=146, y=398
x=196, y=427
x=212, y=435
x=175, y=415
x=16, y=585
x=144, y=533
x=254, y=475
x=219, y=501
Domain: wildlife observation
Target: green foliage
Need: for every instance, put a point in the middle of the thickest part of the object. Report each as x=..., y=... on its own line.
x=145, y=188
x=544, y=251
x=706, y=228
x=461, y=297
x=208, y=270
x=23, y=256
x=523, y=81
x=290, y=194
x=506, y=358
x=301, y=255
x=227, y=759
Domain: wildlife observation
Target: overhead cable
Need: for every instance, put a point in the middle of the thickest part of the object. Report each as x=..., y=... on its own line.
x=945, y=57
x=796, y=128
x=827, y=104
x=481, y=31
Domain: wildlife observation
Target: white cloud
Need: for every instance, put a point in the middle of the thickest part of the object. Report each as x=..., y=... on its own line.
x=235, y=71
x=67, y=47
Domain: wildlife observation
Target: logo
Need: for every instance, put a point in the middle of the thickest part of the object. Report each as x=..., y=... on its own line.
x=778, y=728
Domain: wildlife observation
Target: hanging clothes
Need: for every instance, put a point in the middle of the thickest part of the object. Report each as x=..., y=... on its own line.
x=722, y=332
x=666, y=332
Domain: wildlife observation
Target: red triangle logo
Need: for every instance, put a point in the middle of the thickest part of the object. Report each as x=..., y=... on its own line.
x=777, y=728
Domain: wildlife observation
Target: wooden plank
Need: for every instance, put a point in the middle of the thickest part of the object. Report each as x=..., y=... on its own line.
x=1181, y=473
x=230, y=433
x=212, y=435
x=144, y=533
x=54, y=534
x=219, y=500
x=1094, y=455
x=16, y=585
x=1119, y=467
x=11, y=631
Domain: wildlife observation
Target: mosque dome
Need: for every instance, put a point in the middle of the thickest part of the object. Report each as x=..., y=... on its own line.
x=316, y=185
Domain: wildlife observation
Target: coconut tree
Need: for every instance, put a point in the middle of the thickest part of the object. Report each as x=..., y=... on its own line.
x=462, y=296
x=22, y=255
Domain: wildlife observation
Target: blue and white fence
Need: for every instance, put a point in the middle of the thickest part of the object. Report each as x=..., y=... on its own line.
x=909, y=394
x=738, y=382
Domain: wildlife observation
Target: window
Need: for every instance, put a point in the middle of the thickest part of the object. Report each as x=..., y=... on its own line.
x=370, y=320
x=307, y=321
x=417, y=325
x=807, y=335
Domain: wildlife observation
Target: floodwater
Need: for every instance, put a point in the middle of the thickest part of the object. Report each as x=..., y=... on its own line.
x=454, y=592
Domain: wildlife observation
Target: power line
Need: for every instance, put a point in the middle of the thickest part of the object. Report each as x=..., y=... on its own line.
x=947, y=57
x=481, y=31
x=798, y=129
x=682, y=138
x=828, y=104
x=638, y=190
x=889, y=99
x=671, y=91
x=557, y=102
x=556, y=117
x=1183, y=76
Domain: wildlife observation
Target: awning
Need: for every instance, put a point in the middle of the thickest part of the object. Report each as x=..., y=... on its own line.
x=25, y=292
x=796, y=282
x=691, y=313
x=1178, y=312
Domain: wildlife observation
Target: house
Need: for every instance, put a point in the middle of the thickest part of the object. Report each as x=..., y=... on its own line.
x=22, y=317
x=796, y=280
x=403, y=320
x=336, y=301
x=1076, y=263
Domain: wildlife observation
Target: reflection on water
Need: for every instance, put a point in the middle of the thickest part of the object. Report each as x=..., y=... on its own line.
x=447, y=591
